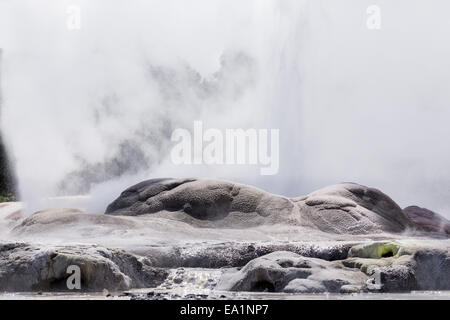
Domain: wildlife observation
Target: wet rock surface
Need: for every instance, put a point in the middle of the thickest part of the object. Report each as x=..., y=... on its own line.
x=237, y=254
x=26, y=267
x=372, y=267
x=284, y=271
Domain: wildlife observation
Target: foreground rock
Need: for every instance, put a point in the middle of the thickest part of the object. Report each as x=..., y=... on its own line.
x=25, y=267
x=428, y=220
x=284, y=271
x=237, y=254
x=372, y=267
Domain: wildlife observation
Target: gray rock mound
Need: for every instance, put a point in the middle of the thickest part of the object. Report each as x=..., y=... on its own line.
x=25, y=267
x=58, y=219
x=346, y=208
x=10, y=214
x=11, y=211
x=226, y=203
x=350, y=208
x=428, y=220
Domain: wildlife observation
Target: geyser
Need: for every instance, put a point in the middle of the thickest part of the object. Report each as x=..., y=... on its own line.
x=90, y=110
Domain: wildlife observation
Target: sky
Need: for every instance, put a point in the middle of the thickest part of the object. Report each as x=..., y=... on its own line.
x=90, y=109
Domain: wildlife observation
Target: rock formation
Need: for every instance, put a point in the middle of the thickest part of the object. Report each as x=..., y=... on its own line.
x=428, y=220
x=26, y=267
x=372, y=267
x=213, y=202
x=345, y=208
x=341, y=239
x=351, y=208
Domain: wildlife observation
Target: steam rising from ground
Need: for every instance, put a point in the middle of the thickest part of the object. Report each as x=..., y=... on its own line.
x=92, y=110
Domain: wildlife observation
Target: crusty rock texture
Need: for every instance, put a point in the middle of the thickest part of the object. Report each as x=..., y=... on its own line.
x=346, y=208
x=284, y=271
x=428, y=220
x=194, y=201
x=26, y=267
x=373, y=267
x=351, y=208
